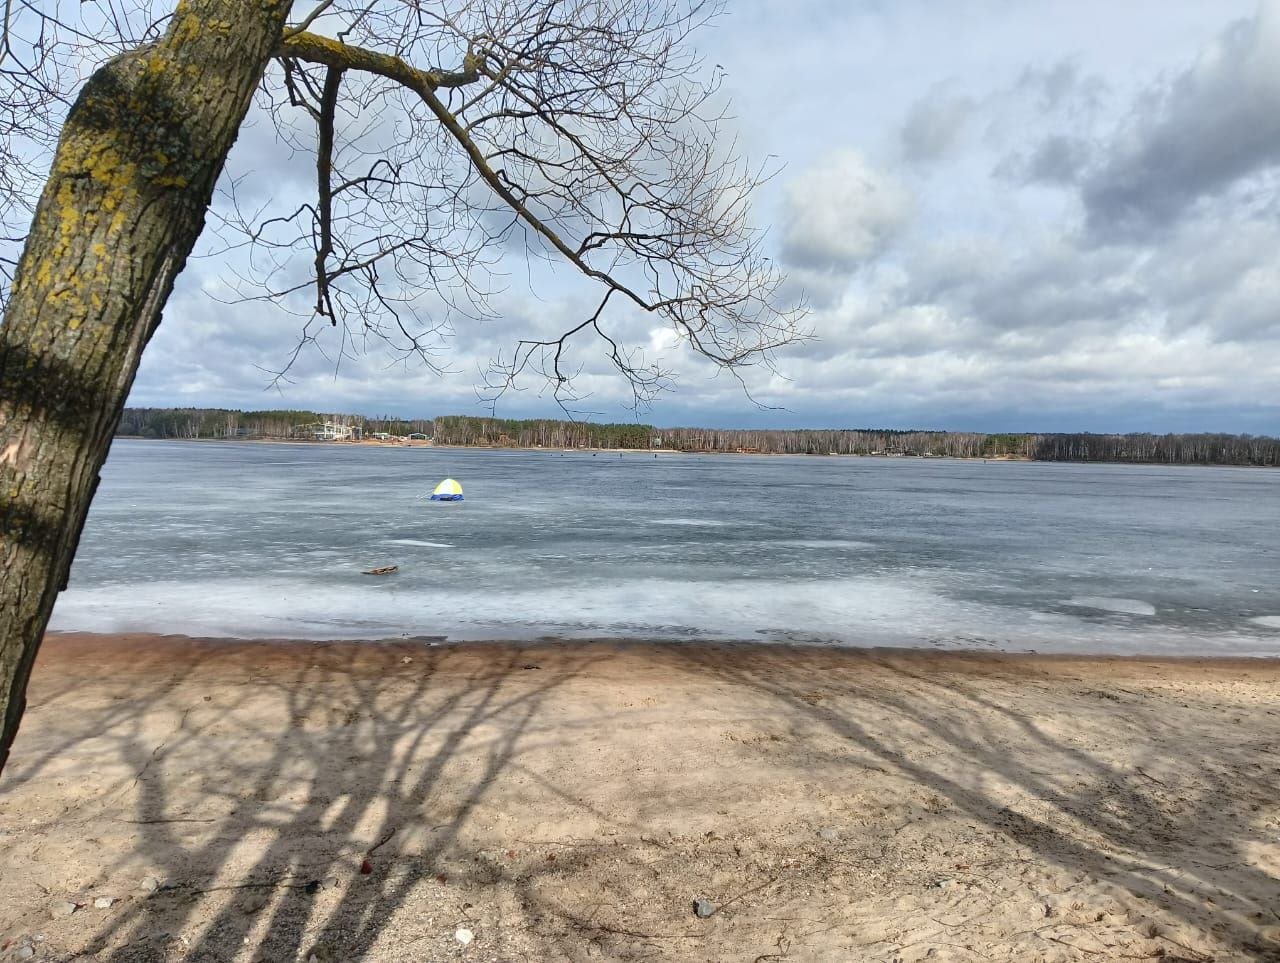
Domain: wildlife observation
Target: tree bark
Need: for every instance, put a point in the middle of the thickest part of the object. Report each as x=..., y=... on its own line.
x=133, y=176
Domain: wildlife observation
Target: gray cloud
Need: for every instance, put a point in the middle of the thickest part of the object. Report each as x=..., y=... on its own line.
x=1058, y=160
x=1222, y=279
x=933, y=125
x=1054, y=289
x=1062, y=86
x=819, y=288
x=1193, y=136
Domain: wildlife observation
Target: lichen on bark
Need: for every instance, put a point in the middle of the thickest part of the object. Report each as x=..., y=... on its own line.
x=125, y=201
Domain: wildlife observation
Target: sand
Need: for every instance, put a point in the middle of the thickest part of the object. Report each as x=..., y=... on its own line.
x=571, y=801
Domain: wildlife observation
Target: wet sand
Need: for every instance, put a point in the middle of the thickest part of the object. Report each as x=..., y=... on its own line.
x=571, y=801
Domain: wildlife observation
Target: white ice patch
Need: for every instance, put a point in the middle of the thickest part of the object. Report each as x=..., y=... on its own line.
x=1119, y=606
x=874, y=610
x=1268, y=621
x=414, y=541
x=690, y=522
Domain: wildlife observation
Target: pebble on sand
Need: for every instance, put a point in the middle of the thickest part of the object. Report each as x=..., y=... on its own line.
x=702, y=908
x=829, y=834
x=103, y=902
x=464, y=936
x=63, y=907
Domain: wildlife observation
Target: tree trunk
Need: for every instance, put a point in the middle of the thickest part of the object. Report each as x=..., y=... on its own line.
x=125, y=201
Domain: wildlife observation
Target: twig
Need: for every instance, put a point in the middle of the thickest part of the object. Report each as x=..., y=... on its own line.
x=753, y=889
x=174, y=819
x=784, y=949
x=156, y=751
x=646, y=936
x=381, y=842
x=218, y=889
x=1074, y=946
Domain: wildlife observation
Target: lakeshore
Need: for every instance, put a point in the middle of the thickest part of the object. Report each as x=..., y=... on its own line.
x=541, y=434
x=553, y=450
x=570, y=801
x=662, y=452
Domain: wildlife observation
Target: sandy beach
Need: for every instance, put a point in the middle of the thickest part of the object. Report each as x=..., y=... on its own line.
x=178, y=799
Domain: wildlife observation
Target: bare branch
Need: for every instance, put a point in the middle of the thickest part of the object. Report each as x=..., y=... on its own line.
x=616, y=154
x=334, y=53
x=324, y=209
x=449, y=137
x=309, y=19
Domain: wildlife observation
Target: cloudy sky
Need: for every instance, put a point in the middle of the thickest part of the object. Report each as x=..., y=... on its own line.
x=1004, y=215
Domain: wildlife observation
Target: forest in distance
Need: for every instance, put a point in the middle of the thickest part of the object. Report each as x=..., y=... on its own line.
x=470, y=431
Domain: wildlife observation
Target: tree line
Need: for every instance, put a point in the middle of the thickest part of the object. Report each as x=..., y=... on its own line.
x=1187, y=449
x=1141, y=448
x=540, y=433
x=468, y=431
x=232, y=423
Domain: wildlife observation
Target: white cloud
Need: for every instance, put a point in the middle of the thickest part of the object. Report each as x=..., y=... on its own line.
x=841, y=212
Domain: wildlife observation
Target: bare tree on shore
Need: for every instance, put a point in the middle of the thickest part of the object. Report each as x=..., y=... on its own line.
x=583, y=130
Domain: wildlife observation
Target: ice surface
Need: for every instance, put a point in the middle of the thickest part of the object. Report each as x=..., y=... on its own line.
x=270, y=541
x=1119, y=606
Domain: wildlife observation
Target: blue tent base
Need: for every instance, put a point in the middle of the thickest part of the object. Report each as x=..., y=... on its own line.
x=446, y=498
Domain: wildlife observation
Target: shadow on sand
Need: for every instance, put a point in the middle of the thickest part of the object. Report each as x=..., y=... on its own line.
x=256, y=804
x=1150, y=836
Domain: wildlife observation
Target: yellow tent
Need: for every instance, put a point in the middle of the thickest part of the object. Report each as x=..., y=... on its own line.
x=447, y=491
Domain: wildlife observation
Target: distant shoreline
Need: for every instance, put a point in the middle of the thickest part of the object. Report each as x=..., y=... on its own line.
x=545, y=434
x=375, y=443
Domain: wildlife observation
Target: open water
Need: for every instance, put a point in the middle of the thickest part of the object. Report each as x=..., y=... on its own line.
x=253, y=540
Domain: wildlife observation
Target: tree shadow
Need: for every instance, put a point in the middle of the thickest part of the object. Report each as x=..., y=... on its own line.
x=1156, y=837
x=364, y=775
x=254, y=781
x=65, y=695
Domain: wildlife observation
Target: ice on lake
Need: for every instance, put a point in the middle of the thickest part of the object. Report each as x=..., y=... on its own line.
x=270, y=540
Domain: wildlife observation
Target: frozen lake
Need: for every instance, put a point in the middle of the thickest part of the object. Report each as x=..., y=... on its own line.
x=256, y=540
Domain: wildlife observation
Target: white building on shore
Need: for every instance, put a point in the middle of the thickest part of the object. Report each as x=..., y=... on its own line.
x=329, y=431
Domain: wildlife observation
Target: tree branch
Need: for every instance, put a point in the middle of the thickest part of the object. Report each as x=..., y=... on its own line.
x=316, y=49
x=424, y=83
x=324, y=175
x=589, y=133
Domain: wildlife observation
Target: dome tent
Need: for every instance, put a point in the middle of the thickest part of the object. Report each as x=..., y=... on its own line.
x=447, y=491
